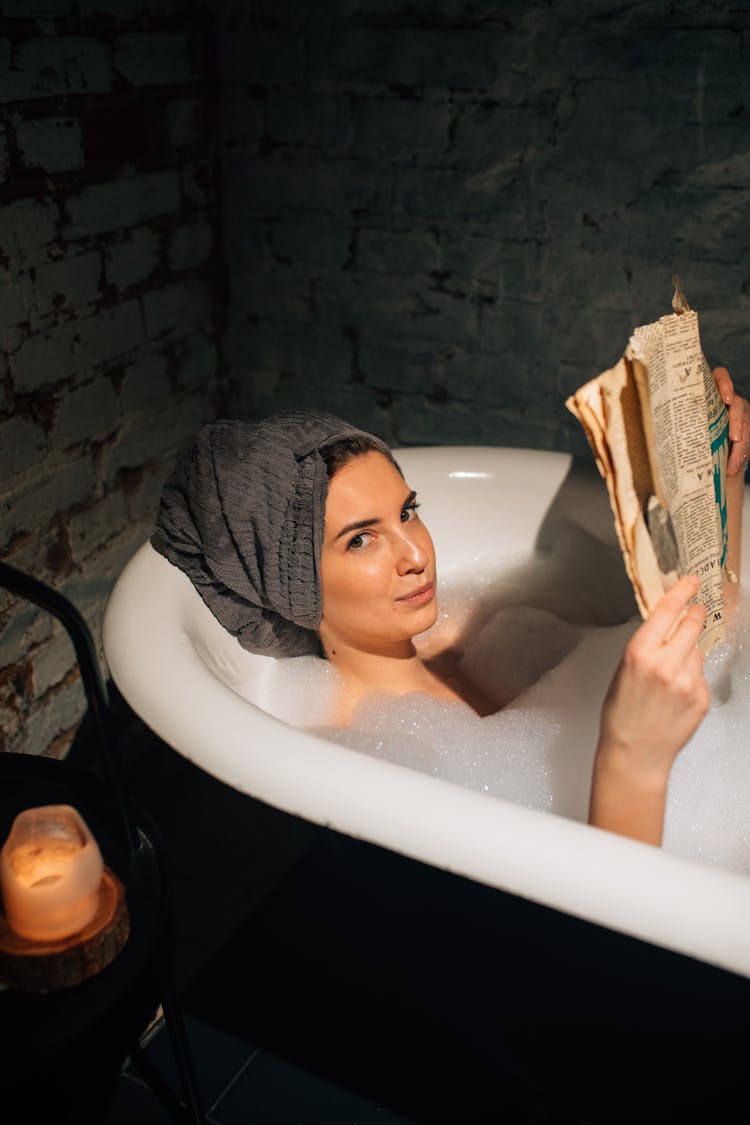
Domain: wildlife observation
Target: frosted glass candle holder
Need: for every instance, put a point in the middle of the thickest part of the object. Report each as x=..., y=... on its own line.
x=50, y=873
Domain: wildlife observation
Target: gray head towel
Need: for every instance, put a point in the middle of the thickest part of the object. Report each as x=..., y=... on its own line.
x=242, y=515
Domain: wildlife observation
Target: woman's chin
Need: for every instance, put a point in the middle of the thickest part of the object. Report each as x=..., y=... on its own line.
x=416, y=620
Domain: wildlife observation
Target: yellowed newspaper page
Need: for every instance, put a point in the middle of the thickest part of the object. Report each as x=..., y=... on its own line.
x=690, y=442
x=659, y=432
x=609, y=410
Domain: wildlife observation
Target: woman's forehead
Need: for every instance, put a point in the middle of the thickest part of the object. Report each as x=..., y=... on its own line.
x=369, y=482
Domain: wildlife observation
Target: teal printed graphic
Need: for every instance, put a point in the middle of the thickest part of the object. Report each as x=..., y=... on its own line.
x=719, y=434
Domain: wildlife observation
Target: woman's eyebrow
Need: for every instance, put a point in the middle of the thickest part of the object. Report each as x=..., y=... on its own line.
x=360, y=525
x=357, y=526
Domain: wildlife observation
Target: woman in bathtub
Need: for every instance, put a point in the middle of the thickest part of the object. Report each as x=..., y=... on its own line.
x=301, y=535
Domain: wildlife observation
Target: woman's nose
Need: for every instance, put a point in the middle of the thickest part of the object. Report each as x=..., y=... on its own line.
x=411, y=554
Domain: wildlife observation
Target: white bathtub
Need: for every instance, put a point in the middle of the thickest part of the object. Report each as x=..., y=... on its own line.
x=200, y=692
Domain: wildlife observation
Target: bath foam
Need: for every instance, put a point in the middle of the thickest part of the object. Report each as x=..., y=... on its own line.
x=302, y=691
x=534, y=751
x=519, y=643
x=708, y=811
x=538, y=750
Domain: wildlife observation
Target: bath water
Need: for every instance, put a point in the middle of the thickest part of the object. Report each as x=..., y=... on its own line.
x=547, y=665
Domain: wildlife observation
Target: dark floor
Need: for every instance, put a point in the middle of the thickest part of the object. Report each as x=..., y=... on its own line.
x=324, y=981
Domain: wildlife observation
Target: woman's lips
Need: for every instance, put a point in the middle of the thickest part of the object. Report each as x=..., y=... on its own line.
x=419, y=596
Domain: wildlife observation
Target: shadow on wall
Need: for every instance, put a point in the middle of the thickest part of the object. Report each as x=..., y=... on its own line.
x=445, y=217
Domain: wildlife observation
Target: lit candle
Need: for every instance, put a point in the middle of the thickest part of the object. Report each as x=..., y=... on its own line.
x=50, y=873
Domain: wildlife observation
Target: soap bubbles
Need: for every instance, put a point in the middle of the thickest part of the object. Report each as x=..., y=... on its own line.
x=546, y=662
x=708, y=809
x=301, y=691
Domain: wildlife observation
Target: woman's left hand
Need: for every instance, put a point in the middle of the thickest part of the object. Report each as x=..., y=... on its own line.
x=739, y=422
x=739, y=454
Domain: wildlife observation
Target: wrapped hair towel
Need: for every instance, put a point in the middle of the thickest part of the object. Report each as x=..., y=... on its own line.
x=242, y=515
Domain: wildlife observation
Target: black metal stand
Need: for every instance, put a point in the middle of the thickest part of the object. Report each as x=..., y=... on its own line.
x=68, y=1042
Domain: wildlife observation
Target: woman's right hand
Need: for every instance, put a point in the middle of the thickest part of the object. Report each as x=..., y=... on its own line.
x=657, y=699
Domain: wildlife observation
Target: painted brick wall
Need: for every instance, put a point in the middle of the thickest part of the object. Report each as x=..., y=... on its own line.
x=111, y=309
x=447, y=215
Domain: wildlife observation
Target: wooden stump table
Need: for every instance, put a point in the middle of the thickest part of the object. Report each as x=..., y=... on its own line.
x=44, y=966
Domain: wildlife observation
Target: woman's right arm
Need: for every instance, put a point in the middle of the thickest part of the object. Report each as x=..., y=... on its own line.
x=657, y=699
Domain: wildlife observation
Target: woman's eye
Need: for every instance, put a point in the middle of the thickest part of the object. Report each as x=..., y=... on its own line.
x=409, y=512
x=359, y=541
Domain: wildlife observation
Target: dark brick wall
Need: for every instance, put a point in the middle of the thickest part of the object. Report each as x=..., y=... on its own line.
x=435, y=217
x=447, y=215
x=112, y=297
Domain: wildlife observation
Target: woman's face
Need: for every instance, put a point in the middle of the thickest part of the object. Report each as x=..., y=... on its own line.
x=378, y=561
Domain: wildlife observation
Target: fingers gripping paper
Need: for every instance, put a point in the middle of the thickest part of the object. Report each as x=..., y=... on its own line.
x=660, y=435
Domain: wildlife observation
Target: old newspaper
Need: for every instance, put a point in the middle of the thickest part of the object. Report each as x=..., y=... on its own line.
x=660, y=434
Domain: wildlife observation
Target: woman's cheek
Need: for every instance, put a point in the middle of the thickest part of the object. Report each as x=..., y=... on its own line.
x=365, y=576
